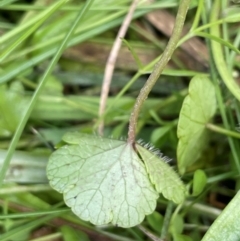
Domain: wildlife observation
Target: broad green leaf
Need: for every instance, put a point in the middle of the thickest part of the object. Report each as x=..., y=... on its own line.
x=102, y=180
x=164, y=178
x=105, y=181
x=227, y=225
x=197, y=110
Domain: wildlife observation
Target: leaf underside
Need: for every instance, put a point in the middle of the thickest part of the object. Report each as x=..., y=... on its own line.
x=105, y=181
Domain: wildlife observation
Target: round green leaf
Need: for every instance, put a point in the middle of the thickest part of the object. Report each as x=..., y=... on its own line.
x=102, y=180
x=107, y=181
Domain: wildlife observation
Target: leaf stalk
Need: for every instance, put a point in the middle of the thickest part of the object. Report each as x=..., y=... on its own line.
x=158, y=68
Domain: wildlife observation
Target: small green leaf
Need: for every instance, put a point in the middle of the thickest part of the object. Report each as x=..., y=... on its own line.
x=102, y=180
x=199, y=182
x=12, y=107
x=158, y=133
x=198, y=108
x=77, y=137
x=164, y=178
x=176, y=229
x=177, y=225
x=70, y=234
x=227, y=225
x=181, y=237
x=155, y=221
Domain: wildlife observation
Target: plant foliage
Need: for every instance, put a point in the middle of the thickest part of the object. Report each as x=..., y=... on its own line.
x=105, y=181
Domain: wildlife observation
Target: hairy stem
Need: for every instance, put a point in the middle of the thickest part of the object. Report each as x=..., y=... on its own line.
x=158, y=68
